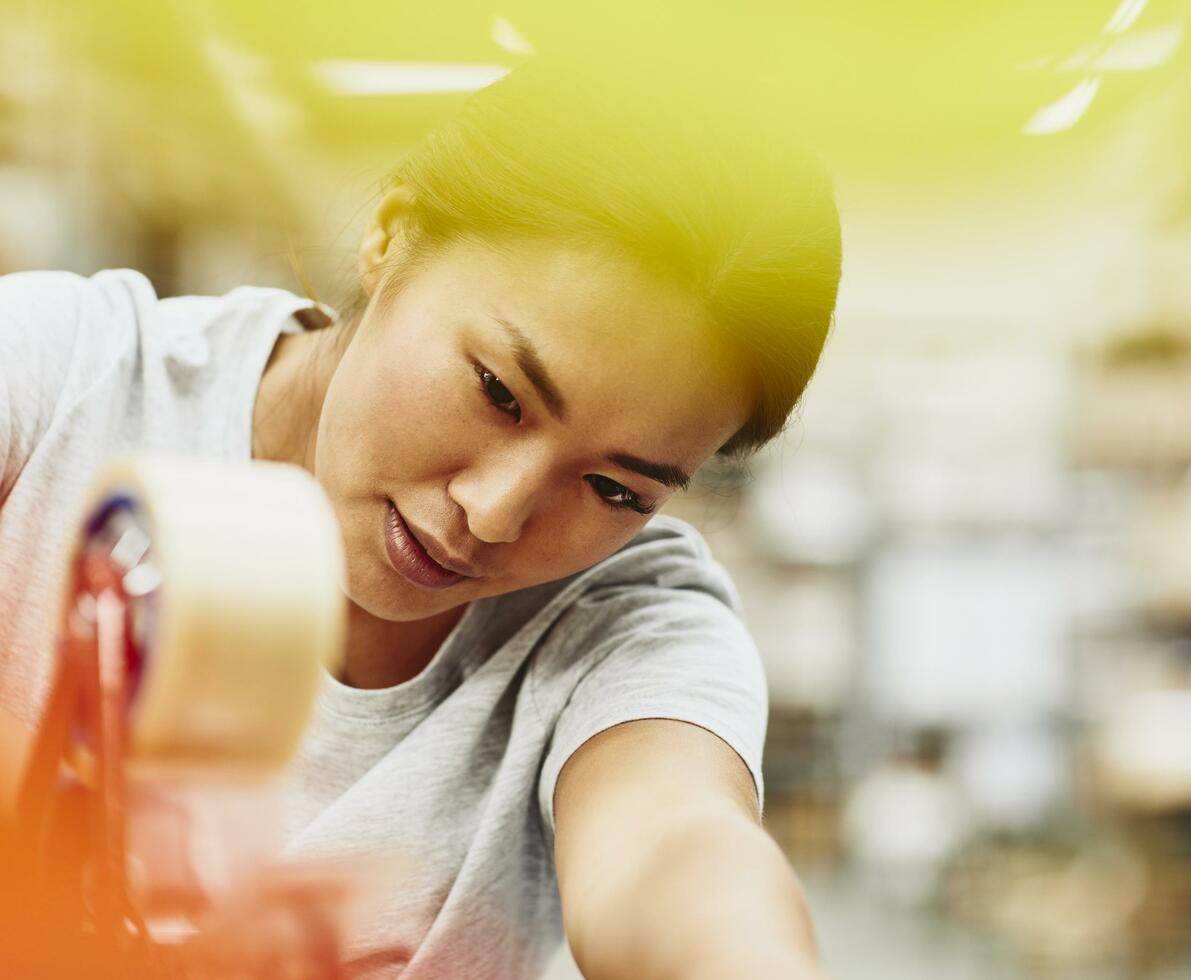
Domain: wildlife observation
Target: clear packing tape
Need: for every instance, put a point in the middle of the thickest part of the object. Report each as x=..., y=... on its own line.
x=202, y=604
x=234, y=575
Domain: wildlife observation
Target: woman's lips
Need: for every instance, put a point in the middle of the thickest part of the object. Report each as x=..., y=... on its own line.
x=409, y=558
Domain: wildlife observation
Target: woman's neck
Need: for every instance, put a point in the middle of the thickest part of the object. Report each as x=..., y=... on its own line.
x=381, y=653
x=290, y=397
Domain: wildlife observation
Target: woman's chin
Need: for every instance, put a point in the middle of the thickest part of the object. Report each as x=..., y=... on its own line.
x=383, y=594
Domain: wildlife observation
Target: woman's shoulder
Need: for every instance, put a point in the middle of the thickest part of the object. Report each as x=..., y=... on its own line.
x=113, y=290
x=96, y=364
x=672, y=534
x=60, y=334
x=667, y=566
x=668, y=553
x=68, y=315
x=52, y=315
x=232, y=307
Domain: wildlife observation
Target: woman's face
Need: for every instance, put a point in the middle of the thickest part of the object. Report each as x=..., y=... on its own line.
x=523, y=412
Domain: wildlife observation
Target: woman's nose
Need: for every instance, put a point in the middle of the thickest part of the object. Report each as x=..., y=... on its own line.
x=498, y=497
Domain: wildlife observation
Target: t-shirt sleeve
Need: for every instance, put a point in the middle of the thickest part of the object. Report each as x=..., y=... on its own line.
x=46, y=319
x=662, y=652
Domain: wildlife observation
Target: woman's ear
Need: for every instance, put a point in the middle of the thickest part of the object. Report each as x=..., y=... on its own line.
x=384, y=236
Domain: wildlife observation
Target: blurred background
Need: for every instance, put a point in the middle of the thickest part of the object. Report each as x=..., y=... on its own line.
x=968, y=564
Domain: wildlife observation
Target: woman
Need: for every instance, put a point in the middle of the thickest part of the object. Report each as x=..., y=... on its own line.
x=571, y=299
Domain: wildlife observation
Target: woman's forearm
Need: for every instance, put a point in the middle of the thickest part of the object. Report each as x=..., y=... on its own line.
x=712, y=898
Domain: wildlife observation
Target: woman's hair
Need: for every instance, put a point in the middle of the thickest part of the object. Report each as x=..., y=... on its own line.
x=683, y=179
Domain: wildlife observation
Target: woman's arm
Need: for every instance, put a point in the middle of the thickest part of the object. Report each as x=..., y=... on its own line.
x=663, y=867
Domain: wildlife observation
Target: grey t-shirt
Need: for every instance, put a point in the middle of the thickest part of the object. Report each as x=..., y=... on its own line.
x=453, y=770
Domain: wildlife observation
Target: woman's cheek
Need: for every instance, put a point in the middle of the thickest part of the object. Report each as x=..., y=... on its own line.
x=429, y=418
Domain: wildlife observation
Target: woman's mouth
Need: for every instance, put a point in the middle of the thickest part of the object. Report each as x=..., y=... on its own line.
x=409, y=558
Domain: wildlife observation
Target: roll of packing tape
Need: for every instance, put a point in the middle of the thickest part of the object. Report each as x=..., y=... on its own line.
x=231, y=575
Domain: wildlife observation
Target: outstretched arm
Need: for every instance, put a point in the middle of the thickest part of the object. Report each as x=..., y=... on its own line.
x=663, y=867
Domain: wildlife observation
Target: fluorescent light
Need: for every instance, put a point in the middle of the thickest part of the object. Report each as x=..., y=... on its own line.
x=1066, y=112
x=1124, y=16
x=1137, y=52
x=404, y=77
x=505, y=35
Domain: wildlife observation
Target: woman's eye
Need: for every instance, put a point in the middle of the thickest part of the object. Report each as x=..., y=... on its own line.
x=616, y=495
x=495, y=391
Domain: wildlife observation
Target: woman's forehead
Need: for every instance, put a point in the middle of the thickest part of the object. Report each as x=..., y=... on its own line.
x=568, y=286
x=575, y=305
x=592, y=310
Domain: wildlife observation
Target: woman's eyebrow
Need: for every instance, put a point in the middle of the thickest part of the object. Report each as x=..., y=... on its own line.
x=667, y=474
x=530, y=363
